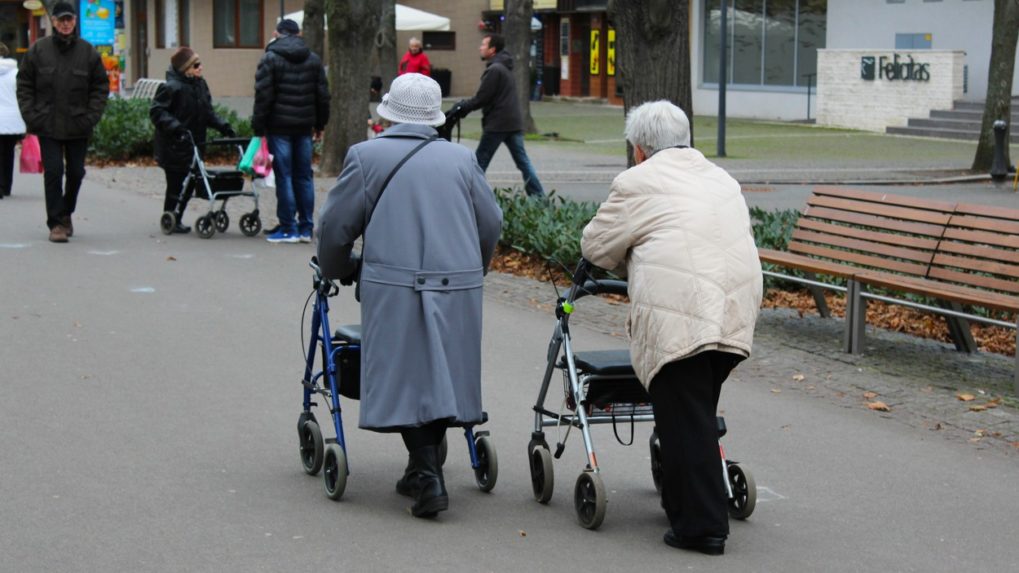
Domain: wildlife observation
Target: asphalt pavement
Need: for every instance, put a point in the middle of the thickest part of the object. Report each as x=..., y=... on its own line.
x=150, y=391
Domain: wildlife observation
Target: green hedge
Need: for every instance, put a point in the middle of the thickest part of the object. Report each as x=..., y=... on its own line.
x=125, y=132
x=549, y=227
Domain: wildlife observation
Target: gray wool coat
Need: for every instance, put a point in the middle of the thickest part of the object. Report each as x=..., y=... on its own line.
x=426, y=250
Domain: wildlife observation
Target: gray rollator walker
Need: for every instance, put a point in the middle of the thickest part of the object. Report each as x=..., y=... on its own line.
x=601, y=387
x=214, y=185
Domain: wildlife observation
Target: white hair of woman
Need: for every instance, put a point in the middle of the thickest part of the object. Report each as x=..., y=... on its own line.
x=657, y=125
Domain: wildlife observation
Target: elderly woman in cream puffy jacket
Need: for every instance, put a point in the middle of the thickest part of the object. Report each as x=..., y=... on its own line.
x=681, y=227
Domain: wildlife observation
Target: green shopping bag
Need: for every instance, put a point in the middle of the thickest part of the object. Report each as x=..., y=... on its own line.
x=247, y=161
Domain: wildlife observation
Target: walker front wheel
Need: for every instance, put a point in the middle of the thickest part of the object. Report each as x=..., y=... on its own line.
x=542, y=474
x=744, y=492
x=335, y=472
x=250, y=224
x=311, y=447
x=487, y=472
x=205, y=226
x=589, y=499
x=167, y=222
x=222, y=221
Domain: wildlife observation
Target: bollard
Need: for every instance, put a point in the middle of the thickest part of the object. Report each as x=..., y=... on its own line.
x=999, y=167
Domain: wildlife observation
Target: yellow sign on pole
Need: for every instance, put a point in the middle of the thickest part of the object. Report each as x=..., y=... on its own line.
x=610, y=60
x=595, y=50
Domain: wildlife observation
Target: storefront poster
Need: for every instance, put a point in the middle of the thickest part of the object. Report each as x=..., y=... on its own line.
x=595, y=52
x=97, y=20
x=610, y=61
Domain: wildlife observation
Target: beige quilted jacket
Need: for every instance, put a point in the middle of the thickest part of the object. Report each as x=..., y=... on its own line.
x=682, y=228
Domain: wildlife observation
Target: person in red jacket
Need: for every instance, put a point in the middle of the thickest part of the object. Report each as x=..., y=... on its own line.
x=415, y=60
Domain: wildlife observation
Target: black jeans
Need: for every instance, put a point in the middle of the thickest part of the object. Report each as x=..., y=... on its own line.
x=63, y=163
x=7, y=143
x=172, y=201
x=684, y=395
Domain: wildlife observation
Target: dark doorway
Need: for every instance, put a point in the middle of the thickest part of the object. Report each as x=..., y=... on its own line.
x=140, y=45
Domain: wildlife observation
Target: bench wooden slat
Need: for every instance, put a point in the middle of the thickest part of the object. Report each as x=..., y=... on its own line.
x=980, y=251
x=886, y=198
x=889, y=238
x=890, y=211
x=807, y=264
x=924, y=229
x=987, y=211
x=976, y=265
x=864, y=245
x=983, y=238
x=985, y=224
x=859, y=259
x=973, y=280
x=948, y=292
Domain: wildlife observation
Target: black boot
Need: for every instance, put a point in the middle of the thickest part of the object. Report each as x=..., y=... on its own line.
x=431, y=497
x=410, y=484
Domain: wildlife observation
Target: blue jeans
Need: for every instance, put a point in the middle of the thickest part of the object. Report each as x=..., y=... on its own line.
x=295, y=189
x=514, y=141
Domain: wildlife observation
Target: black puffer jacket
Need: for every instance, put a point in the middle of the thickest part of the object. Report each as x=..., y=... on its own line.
x=291, y=92
x=182, y=104
x=62, y=87
x=497, y=96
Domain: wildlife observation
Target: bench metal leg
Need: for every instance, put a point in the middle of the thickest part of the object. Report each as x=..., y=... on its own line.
x=818, y=293
x=856, y=317
x=958, y=328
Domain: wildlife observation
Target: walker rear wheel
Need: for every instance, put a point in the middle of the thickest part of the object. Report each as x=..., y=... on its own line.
x=656, y=461
x=311, y=447
x=487, y=472
x=205, y=226
x=222, y=221
x=335, y=472
x=589, y=500
x=250, y=224
x=167, y=222
x=744, y=492
x=542, y=474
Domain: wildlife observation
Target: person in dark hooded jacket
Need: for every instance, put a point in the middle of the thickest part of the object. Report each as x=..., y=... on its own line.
x=501, y=120
x=181, y=106
x=291, y=107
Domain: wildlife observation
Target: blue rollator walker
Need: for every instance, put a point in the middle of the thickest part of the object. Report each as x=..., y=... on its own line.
x=340, y=375
x=600, y=387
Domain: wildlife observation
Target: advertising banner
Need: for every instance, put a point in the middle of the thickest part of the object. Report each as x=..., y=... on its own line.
x=97, y=19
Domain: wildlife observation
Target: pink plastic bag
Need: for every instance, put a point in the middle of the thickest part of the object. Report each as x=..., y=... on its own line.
x=31, y=156
x=262, y=164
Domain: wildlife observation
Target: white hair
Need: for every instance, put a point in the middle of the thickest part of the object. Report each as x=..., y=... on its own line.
x=657, y=125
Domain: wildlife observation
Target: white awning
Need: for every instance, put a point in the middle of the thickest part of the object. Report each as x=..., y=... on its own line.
x=407, y=20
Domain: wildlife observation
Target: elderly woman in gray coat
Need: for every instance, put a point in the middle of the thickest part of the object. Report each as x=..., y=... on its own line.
x=427, y=243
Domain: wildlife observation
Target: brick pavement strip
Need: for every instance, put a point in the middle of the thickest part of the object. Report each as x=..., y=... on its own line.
x=918, y=379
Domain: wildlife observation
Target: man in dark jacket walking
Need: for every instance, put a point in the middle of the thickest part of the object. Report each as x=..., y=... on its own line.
x=291, y=106
x=502, y=120
x=62, y=91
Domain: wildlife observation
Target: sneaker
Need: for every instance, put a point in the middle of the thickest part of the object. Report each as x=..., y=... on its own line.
x=58, y=234
x=305, y=236
x=282, y=236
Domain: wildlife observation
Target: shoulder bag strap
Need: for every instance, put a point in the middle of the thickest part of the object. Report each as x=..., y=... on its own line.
x=389, y=178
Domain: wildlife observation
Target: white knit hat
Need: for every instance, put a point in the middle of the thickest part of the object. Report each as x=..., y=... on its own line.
x=413, y=98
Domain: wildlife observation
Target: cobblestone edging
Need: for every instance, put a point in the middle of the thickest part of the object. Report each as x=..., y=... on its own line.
x=918, y=379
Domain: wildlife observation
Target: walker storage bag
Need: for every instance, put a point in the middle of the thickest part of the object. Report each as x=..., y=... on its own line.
x=262, y=164
x=31, y=156
x=247, y=160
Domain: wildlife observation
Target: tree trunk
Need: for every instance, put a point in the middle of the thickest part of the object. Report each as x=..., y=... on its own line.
x=653, y=53
x=352, y=27
x=517, y=30
x=385, y=44
x=1004, y=36
x=314, y=27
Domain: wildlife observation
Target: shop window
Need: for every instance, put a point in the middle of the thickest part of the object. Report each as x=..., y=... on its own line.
x=771, y=42
x=237, y=23
x=439, y=40
x=172, y=23
x=913, y=41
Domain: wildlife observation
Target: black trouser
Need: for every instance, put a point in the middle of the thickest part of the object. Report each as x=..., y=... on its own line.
x=7, y=144
x=60, y=158
x=430, y=434
x=684, y=395
x=174, y=182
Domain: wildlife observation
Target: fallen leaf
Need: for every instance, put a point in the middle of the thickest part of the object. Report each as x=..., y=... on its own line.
x=965, y=397
x=977, y=408
x=171, y=258
x=799, y=377
x=879, y=406
x=980, y=433
x=776, y=391
x=936, y=427
x=1015, y=445
x=522, y=533
x=869, y=395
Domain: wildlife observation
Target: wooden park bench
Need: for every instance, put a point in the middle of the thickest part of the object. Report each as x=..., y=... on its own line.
x=957, y=254
x=145, y=88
